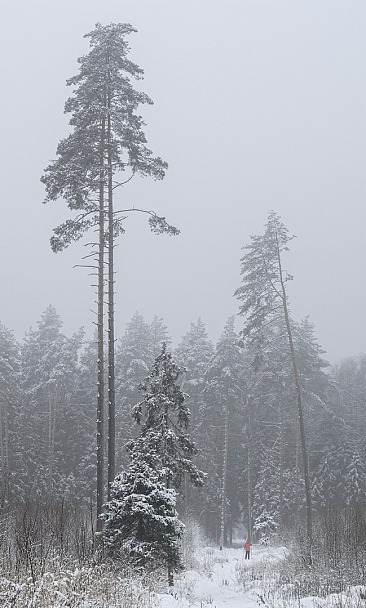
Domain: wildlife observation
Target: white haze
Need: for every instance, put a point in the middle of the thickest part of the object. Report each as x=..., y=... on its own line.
x=259, y=105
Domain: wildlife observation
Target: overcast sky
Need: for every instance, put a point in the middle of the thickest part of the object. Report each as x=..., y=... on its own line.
x=258, y=105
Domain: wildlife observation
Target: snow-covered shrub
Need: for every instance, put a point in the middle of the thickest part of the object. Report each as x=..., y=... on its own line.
x=97, y=587
x=192, y=540
x=265, y=526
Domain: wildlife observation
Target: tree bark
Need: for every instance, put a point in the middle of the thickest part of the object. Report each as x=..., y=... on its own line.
x=3, y=453
x=281, y=484
x=100, y=323
x=300, y=409
x=249, y=472
x=51, y=438
x=224, y=474
x=111, y=338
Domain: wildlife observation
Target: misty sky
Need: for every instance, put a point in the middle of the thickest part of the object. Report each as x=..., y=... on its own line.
x=258, y=105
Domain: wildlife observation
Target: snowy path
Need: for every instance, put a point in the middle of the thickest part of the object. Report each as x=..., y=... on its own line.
x=229, y=581
x=219, y=586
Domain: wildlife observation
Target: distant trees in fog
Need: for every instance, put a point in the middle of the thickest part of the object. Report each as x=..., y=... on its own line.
x=243, y=421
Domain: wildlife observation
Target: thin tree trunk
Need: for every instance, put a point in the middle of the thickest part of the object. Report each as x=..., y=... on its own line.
x=249, y=473
x=185, y=498
x=167, y=485
x=169, y=565
x=6, y=453
x=281, y=484
x=2, y=454
x=51, y=439
x=111, y=339
x=302, y=438
x=100, y=323
x=224, y=473
x=300, y=410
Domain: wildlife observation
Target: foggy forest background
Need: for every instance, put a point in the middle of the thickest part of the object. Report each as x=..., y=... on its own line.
x=47, y=429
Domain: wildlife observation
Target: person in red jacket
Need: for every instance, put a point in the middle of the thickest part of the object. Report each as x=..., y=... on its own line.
x=247, y=546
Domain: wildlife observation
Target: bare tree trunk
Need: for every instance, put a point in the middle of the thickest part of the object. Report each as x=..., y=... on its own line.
x=111, y=339
x=100, y=323
x=2, y=456
x=224, y=473
x=169, y=565
x=51, y=439
x=281, y=484
x=249, y=471
x=303, y=440
x=300, y=410
x=6, y=454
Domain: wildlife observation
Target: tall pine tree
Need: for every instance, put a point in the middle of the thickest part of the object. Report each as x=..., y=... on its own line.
x=263, y=294
x=106, y=148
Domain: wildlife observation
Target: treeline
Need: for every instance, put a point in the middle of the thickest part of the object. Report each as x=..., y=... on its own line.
x=244, y=421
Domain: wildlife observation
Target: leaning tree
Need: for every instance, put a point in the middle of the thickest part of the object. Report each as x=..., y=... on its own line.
x=106, y=148
x=264, y=300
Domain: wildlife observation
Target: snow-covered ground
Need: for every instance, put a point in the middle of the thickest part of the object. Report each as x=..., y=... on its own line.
x=228, y=581
x=216, y=579
x=219, y=585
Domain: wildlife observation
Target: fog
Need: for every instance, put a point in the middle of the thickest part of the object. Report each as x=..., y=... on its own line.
x=258, y=105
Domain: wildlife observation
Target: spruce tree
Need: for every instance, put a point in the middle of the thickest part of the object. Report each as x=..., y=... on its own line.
x=224, y=408
x=193, y=354
x=49, y=376
x=133, y=362
x=10, y=398
x=158, y=335
x=164, y=418
x=141, y=521
x=160, y=455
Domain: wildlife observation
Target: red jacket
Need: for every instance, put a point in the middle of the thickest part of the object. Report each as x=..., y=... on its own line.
x=247, y=545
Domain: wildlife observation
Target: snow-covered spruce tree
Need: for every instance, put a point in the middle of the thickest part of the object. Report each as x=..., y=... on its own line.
x=141, y=521
x=164, y=418
x=135, y=355
x=349, y=405
x=264, y=299
x=193, y=354
x=158, y=335
x=105, y=150
x=160, y=457
x=273, y=420
x=10, y=398
x=266, y=497
x=49, y=418
x=84, y=425
x=133, y=362
x=224, y=408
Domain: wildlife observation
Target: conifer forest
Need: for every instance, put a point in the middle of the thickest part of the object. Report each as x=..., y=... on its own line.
x=114, y=448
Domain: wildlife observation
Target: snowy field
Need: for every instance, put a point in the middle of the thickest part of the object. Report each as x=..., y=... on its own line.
x=227, y=580
x=217, y=579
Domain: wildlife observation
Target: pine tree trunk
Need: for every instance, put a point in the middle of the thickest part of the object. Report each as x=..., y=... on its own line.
x=111, y=339
x=6, y=454
x=51, y=439
x=300, y=411
x=249, y=475
x=100, y=323
x=303, y=445
x=3, y=457
x=224, y=473
x=169, y=565
x=281, y=484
